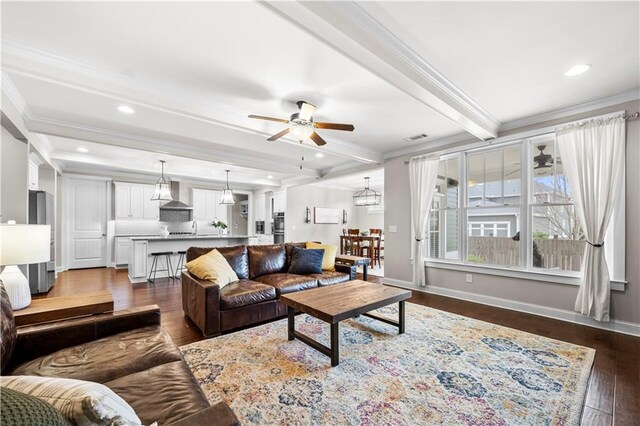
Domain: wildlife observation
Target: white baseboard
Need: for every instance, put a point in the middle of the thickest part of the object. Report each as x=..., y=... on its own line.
x=543, y=311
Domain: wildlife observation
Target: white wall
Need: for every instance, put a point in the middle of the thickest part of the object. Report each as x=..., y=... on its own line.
x=14, y=180
x=625, y=306
x=368, y=220
x=298, y=198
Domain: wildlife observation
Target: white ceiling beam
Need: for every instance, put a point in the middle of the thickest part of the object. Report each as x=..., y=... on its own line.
x=183, y=147
x=72, y=164
x=62, y=71
x=348, y=28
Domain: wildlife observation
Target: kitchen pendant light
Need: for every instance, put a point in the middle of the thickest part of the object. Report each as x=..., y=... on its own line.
x=227, y=193
x=367, y=197
x=163, y=188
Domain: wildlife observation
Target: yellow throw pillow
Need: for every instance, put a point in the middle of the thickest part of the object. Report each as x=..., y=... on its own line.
x=329, y=258
x=212, y=267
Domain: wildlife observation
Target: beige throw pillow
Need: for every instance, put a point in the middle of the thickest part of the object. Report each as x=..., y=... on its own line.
x=212, y=267
x=81, y=403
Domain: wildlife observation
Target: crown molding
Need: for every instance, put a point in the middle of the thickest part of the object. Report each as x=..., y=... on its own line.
x=62, y=71
x=621, y=98
x=351, y=30
x=464, y=139
x=213, y=152
x=14, y=96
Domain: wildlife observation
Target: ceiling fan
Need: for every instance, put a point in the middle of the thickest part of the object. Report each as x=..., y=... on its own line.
x=302, y=126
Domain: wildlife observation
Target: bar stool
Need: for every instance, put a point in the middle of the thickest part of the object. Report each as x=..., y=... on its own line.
x=180, y=265
x=154, y=265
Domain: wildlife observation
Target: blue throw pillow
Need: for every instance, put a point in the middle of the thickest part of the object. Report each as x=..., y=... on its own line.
x=306, y=261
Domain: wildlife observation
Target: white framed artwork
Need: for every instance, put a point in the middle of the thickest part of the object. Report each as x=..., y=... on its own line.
x=326, y=215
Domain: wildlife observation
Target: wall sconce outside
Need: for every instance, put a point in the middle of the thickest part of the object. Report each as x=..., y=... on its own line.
x=307, y=215
x=344, y=217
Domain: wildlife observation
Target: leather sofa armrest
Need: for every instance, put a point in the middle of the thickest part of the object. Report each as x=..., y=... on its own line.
x=42, y=339
x=218, y=414
x=201, y=303
x=352, y=270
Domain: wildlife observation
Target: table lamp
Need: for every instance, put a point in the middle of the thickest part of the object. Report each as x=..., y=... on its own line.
x=20, y=245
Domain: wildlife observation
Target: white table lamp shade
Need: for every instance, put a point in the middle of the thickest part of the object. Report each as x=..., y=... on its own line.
x=19, y=245
x=23, y=244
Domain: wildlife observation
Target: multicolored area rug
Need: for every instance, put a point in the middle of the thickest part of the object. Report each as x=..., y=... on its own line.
x=446, y=369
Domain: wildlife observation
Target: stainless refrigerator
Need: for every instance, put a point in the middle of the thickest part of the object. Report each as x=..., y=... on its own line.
x=42, y=275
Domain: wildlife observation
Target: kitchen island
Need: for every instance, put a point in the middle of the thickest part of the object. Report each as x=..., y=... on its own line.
x=140, y=258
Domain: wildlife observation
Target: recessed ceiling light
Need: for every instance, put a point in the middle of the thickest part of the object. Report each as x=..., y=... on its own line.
x=269, y=177
x=319, y=155
x=126, y=109
x=578, y=69
x=82, y=149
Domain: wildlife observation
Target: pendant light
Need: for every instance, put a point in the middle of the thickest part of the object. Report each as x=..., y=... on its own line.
x=227, y=193
x=163, y=188
x=367, y=197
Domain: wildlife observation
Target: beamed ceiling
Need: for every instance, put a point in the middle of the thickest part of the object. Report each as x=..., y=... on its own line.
x=193, y=72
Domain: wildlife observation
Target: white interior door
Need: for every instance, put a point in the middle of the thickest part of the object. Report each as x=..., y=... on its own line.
x=87, y=223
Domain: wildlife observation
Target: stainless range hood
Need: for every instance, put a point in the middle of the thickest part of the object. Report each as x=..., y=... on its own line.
x=176, y=210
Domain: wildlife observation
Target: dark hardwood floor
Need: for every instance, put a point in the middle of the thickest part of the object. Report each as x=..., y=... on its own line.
x=613, y=397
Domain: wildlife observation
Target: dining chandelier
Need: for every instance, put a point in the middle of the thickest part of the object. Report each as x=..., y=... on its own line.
x=367, y=197
x=163, y=188
x=227, y=193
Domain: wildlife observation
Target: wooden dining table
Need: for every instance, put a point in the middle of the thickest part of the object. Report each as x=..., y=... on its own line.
x=371, y=239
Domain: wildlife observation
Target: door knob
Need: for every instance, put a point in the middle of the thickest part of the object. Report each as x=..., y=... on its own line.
x=104, y=235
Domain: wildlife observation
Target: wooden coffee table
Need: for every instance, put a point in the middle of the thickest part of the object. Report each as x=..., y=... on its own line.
x=338, y=302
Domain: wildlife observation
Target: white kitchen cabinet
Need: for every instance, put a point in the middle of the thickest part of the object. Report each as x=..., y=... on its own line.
x=138, y=260
x=122, y=251
x=133, y=201
x=264, y=239
x=199, y=203
x=259, y=201
x=150, y=209
x=279, y=201
x=206, y=205
x=33, y=175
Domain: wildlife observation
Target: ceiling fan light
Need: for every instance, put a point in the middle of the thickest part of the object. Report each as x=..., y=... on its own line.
x=306, y=111
x=301, y=132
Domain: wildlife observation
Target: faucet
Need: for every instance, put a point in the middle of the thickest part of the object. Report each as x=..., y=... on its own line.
x=195, y=225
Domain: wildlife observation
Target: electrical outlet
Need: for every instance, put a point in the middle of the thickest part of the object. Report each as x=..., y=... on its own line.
x=293, y=227
x=393, y=228
x=469, y=278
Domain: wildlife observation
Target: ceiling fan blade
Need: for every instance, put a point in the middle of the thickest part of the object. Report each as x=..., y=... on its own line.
x=264, y=117
x=317, y=139
x=334, y=126
x=279, y=135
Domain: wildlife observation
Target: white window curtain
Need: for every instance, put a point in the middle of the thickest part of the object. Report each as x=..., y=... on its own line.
x=423, y=174
x=593, y=159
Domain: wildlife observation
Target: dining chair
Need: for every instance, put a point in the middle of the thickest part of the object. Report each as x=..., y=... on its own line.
x=377, y=246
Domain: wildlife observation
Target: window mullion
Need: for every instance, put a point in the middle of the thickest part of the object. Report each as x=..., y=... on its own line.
x=462, y=209
x=526, y=225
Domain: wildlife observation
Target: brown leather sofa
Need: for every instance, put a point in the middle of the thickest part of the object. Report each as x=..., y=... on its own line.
x=127, y=351
x=255, y=297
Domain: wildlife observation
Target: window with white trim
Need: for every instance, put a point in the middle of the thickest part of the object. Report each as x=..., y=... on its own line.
x=495, y=193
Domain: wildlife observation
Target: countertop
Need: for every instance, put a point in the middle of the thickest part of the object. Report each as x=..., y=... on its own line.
x=191, y=237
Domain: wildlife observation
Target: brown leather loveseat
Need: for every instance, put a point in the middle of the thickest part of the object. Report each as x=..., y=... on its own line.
x=127, y=351
x=255, y=297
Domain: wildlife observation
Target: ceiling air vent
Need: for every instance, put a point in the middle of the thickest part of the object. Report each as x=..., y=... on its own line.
x=416, y=137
